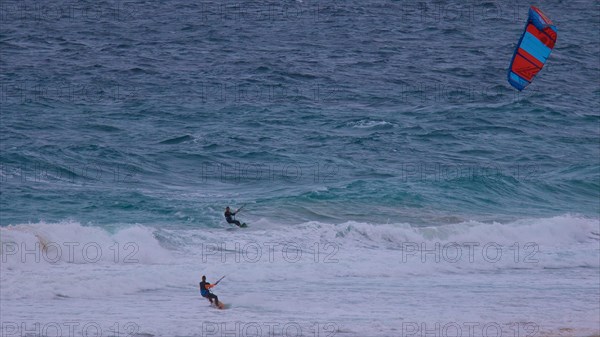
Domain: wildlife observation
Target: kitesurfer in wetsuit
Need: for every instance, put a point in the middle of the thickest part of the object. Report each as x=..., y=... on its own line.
x=205, y=292
x=229, y=217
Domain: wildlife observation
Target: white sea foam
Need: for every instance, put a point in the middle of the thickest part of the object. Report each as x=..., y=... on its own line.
x=363, y=279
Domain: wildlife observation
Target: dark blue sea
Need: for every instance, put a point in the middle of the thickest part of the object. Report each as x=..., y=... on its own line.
x=361, y=124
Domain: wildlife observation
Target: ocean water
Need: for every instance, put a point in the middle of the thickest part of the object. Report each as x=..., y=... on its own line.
x=394, y=183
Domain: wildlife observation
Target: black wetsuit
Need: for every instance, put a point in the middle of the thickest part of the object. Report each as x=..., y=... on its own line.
x=228, y=217
x=206, y=293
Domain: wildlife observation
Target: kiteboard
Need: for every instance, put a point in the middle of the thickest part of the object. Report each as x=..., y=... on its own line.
x=221, y=305
x=232, y=228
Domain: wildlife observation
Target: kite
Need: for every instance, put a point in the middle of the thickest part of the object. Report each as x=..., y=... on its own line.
x=533, y=49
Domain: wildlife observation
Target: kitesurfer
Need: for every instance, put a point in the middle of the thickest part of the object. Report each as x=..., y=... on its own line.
x=230, y=216
x=205, y=291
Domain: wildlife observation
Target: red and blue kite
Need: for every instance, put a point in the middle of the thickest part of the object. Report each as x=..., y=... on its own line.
x=533, y=49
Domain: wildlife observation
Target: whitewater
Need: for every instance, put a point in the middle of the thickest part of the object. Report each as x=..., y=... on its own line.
x=311, y=279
